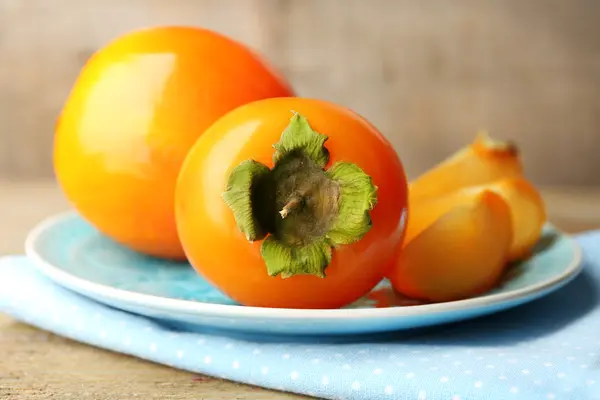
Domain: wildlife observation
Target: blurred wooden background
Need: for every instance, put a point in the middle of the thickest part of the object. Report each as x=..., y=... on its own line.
x=428, y=73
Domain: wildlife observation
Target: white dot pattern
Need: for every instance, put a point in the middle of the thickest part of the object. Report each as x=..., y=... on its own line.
x=462, y=362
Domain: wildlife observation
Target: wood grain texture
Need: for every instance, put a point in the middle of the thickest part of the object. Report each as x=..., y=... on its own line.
x=38, y=365
x=428, y=74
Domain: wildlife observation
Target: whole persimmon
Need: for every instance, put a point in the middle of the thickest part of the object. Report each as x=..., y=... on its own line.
x=136, y=108
x=292, y=203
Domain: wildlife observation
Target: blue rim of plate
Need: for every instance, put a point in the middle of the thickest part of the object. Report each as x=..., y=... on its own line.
x=83, y=287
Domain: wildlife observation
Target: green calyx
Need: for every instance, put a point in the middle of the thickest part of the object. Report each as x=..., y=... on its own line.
x=300, y=209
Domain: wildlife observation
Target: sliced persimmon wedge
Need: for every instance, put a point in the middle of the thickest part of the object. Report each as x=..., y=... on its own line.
x=528, y=211
x=462, y=254
x=484, y=160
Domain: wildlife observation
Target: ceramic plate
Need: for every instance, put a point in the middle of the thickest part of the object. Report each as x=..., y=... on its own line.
x=73, y=254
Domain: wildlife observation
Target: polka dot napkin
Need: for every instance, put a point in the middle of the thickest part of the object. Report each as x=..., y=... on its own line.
x=548, y=349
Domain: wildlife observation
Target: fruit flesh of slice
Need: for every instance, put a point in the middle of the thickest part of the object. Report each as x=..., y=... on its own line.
x=528, y=213
x=527, y=208
x=484, y=160
x=462, y=254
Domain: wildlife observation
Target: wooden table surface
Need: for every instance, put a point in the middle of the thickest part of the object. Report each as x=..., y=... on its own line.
x=37, y=365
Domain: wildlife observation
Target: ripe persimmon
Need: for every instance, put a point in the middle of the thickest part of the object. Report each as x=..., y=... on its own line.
x=292, y=203
x=528, y=212
x=136, y=108
x=483, y=161
x=463, y=253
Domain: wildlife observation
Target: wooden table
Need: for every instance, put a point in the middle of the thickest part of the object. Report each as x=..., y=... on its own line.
x=38, y=365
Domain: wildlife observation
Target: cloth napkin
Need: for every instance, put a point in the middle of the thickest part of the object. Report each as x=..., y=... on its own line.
x=547, y=349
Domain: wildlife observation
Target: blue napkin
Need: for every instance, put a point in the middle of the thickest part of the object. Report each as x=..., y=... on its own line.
x=547, y=349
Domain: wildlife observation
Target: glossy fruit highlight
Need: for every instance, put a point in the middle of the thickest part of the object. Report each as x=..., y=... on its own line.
x=136, y=108
x=292, y=203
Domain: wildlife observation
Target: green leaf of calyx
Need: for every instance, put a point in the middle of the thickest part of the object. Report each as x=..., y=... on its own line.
x=287, y=261
x=358, y=196
x=299, y=136
x=238, y=197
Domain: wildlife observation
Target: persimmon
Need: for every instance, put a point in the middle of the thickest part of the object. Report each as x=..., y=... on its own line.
x=136, y=108
x=484, y=160
x=462, y=254
x=528, y=212
x=292, y=203
x=527, y=209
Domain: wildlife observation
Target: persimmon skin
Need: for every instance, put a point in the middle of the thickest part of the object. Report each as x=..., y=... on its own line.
x=220, y=252
x=135, y=110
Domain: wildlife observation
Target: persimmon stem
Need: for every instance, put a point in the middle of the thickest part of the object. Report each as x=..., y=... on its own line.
x=295, y=201
x=290, y=206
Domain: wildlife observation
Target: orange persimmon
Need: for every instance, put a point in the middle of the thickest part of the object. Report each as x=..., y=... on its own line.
x=136, y=108
x=461, y=254
x=292, y=203
x=528, y=211
x=484, y=160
